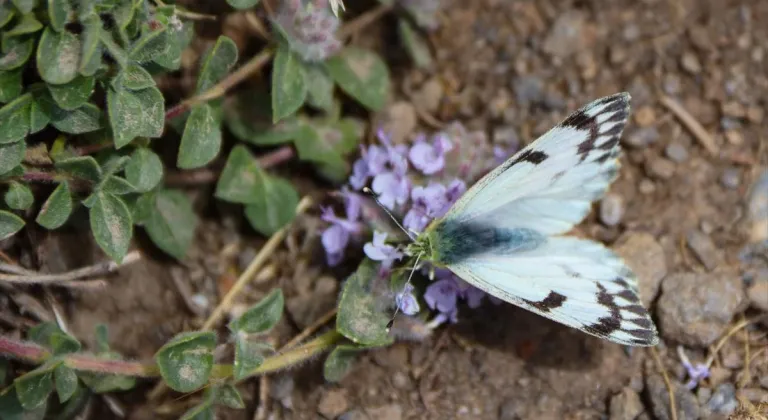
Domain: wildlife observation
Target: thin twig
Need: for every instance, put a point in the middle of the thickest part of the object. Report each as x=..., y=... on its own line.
x=309, y=330
x=17, y=269
x=732, y=331
x=667, y=382
x=746, y=373
x=261, y=258
x=257, y=25
x=691, y=124
x=90, y=271
x=363, y=20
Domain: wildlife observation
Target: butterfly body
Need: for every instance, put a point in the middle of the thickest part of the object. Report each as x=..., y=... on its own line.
x=505, y=234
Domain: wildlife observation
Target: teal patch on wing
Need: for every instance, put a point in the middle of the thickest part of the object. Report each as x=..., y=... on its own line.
x=457, y=241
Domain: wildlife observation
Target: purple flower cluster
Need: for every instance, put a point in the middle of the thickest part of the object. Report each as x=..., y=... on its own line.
x=386, y=168
x=310, y=27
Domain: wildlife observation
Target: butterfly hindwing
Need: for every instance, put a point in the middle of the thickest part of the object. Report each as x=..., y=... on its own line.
x=573, y=281
x=550, y=185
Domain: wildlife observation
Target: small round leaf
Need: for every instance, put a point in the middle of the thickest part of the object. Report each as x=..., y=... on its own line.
x=201, y=140
x=111, y=225
x=186, y=361
x=19, y=196
x=145, y=170
x=9, y=224
x=361, y=74
x=262, y=316
x=289, y=89
x=65, y=379
x=58, y=56
x=56, y=209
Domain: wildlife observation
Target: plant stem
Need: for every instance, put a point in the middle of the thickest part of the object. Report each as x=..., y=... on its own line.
x=255, y=63
x=90, y=271
x=34, y=354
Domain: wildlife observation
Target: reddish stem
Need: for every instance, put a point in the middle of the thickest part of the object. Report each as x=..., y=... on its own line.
x=208, y=176
x=39, y=177
x=23, y=350
x=176, y=111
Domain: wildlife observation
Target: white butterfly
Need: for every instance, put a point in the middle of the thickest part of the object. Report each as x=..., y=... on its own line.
x=502, y=235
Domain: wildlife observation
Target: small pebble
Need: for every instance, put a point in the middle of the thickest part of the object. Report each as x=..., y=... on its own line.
x=731, y=178
x=611, y=209
x=723, y=401
x=676, y=152
x=671, y=84
x=733, y=109
x=645, y=116
x=660, y=168
x=755, y=114
x=690, y=63
x=646, y=186
x=332, y=403
x=758, y=295
x=734, y=137
x=704, y=249
x=400, y=380
x=642, y=138
x=200, y=300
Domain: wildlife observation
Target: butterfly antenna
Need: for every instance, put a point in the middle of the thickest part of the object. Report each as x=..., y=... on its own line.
x=405, y=287
x=376, y=198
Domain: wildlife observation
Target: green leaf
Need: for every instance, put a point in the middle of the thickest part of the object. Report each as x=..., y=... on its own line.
x=249, y=116
x=49, y=335
x=66, y=382
x=186, y=361
x=179, y=36
x=14, y=119
x=262, y=316
x=11, y=409
x=6, y=13
x=240, y=178
x=9, y=224
x=145, y=169
x=228, y=396
x=172, y=222
x=74, y=94
x=84, y=167
x=27, y=25
x=134, y=114
x=16, y=51
x=10, y=85
x=113, y=164
x=42, y=332
x=33, y=387
x=92, y=48
x=102, y=338
x=149, y=46
x=289, y=89
x=216, y=63
x=360, y=318
x=201, y=140
x=111, y=225
x=84, y=119
x=243, y=4
x=58, y=56
x=319, y=88
x=274, y=207
x=11, y=155
x=361, y=74
x=416, y=46
x=38, y=117
x=100, y=383
x=340, y=361
x=135, y=77
x=202, y=411
x=59, y=12
x=24, y=6
x=249, y=355
x=115, y=185
x=124, y=13
x=57, y=208
x=19, y=196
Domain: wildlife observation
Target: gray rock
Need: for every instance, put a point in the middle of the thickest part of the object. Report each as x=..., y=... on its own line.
x=626, y=405
x=645, y=256
x=641, y=138
x=399, y=121
x=429, y=96
x=695, y=308
x=704, y=249
x=687, y=406
x=333, y=403
x=611, y=209
x=566, y=36
x=282, y=389
x=723, y=401
x=529, y=90
x=385, y=412
x=511, y=410
x=731, y=178
x=354, y=414
x=757, y=208
x=660, y=168
x=671, y=84
x=676, y=152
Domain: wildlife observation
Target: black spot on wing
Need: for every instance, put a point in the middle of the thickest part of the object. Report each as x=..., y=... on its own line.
x=617, y=106
x=644, y=334
x=552, y=301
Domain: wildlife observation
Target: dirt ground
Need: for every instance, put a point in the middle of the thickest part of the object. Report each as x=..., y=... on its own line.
x=513, y=69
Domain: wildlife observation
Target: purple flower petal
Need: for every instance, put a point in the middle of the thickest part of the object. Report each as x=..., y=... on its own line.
x=391, y=188
x=360, y=174
x=442, y=295
x=335, y=239
x=407, y=302
x=474, y=296
x=353, y=204
x=378, y=250
x=416, y=219
x=426, y=159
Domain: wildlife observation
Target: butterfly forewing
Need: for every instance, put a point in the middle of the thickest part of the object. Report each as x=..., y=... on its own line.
x=500, y=235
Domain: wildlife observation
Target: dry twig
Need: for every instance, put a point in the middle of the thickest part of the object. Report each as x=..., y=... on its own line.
x=691, y=124
x=61, y=278
x=667, y=382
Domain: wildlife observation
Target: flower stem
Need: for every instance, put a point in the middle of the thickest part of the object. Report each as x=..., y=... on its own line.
x=34, y=354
